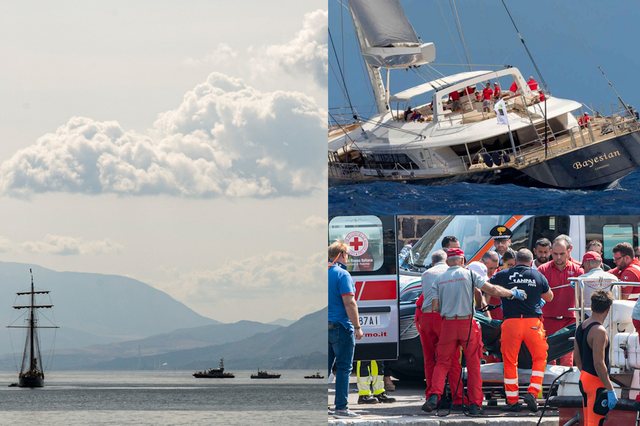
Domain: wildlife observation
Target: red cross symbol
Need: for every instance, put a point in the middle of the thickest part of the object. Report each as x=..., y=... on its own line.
x=356, y=244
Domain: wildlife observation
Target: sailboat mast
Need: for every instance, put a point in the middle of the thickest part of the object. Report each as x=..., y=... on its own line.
x=31, y=325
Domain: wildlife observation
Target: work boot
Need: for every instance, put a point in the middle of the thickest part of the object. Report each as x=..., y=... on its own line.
x=475, y=410
x=367, y=399
x=531, y=402
x=388, y=384
x=430, y=404
x=384, y=398
x=512, y=408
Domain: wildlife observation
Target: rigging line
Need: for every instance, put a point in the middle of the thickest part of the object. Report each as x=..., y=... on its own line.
x=454, y=10
x=453, y=43
x=335, y=75
x=355, y=116
x=544, y=83
x=342, y=35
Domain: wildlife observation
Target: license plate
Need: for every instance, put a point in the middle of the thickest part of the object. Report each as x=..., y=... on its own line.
x=369, y=320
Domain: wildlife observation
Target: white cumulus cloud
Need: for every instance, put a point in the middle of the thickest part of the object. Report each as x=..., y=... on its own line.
x=225, y=139
x=305, y=54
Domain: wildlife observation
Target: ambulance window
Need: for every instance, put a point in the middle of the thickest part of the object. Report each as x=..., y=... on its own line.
x=363, y=235
x=614, y=234
x=522, y=235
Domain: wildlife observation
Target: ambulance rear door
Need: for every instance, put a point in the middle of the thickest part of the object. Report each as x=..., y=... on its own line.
x=373, y=262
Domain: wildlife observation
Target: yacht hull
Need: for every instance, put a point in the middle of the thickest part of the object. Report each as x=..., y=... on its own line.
x=31, y=382
x=589, y=167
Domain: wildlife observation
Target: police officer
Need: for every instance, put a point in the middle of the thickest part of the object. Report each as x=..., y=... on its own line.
x=501, y=240
x=523, y=323
x=453, y=298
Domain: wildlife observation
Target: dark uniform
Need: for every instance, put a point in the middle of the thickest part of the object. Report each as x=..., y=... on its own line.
x=522, y=323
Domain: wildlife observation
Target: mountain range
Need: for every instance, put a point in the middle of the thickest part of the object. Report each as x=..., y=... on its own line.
x=115, y=322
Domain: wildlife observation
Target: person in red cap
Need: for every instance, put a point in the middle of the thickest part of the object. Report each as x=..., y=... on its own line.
x=595, y=278
x=557, y=313
x=523, y=324
x=627, y=269
x=532, y=83
x=453, y=298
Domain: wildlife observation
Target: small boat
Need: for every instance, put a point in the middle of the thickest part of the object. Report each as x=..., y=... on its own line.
x=31, y=371
x=214, y=373
x=314, y=376
x=264, y=375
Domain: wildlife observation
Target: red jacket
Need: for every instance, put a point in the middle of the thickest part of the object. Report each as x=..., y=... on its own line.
x=563, y=298
x=629, y=274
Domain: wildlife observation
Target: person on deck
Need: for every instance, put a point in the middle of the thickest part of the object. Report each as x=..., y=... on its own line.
x=497, y=92
x=532, y=83
x=487, y=95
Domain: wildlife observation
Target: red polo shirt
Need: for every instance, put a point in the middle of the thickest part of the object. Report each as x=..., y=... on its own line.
x=629, y=274
x=454, y=96
x=563, y=298
x=487, y=93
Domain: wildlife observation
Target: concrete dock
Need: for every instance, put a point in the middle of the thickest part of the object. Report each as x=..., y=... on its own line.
x=407, y=411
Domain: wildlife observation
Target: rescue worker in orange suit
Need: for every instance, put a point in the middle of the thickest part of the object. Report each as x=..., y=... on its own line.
x=453, y=298
x=627, y=269
x=591, y=351
x=428, y=324
x=556, y=314
x=523, y=323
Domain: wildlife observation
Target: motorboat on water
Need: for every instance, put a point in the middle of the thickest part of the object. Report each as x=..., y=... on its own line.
x=214, y=373
x=265, y=375
x=524, y=136
x=316, y=375
x=31, y=370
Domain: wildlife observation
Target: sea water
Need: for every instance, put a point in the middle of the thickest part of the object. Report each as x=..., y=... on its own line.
x=389, y=198
x=163, y=398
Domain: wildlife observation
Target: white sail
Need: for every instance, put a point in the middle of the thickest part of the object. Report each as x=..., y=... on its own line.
x=386, y=37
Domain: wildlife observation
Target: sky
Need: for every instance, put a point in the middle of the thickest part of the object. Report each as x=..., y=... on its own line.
x=567, y=39
x=181, y=146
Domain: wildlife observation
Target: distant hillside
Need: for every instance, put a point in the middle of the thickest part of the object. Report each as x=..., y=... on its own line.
x=282, y=322
x=93, y=308
x=303, y=344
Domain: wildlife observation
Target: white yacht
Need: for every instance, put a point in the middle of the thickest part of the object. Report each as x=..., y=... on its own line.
x=452, y=134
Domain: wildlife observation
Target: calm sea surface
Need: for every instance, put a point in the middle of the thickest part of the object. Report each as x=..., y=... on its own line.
x=387, y=198
x=164, y=398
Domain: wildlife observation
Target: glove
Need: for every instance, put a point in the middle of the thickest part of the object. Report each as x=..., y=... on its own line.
x=612, y=399
x=518, y=294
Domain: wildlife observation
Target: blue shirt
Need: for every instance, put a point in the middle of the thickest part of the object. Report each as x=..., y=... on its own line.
x=340, y=283
x=527, y=279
